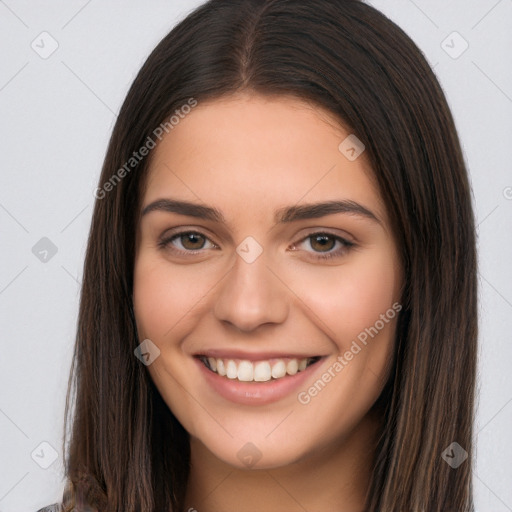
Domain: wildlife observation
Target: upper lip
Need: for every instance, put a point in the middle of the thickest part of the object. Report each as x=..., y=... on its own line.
x=252, y=356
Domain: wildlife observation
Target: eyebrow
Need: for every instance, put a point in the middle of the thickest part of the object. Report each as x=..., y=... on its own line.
x=284, y=215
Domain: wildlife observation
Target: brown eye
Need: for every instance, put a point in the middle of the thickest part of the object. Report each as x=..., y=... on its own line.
x=187, y=242
x=323, y=246
x=192, y=241
x=322, y=242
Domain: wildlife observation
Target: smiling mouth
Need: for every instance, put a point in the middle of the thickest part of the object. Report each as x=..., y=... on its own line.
x=257, y=371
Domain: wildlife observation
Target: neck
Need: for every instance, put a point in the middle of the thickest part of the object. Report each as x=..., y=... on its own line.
x=337, y=478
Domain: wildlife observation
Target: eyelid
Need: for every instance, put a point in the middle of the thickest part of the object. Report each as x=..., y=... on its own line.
x=327, y=231
x=175, y=233
x=346, y=245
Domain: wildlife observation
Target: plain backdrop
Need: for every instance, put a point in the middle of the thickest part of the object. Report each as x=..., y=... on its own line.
x=65, y=67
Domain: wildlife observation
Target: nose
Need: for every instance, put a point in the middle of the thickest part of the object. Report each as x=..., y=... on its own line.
x=251, y=295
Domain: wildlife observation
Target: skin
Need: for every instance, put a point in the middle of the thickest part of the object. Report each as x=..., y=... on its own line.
x=249, y=155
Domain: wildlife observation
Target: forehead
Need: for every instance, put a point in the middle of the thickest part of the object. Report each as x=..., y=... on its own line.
x=247, y=152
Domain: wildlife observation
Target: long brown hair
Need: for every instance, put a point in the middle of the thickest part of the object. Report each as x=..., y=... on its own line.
x=127, y=452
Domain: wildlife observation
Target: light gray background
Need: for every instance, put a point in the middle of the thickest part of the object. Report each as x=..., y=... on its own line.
x=56, y=117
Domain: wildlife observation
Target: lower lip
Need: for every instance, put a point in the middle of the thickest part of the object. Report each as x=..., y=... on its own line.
x=256, y=393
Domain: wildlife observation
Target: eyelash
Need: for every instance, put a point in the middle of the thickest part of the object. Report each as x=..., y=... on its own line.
x=346, y=245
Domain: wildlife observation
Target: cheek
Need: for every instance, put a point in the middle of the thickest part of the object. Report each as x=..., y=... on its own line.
x=349, y=298
x=371, y=288
x=165, y=297
x=357, y=306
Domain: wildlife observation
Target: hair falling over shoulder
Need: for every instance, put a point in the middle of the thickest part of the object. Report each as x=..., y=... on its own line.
x=83, y=494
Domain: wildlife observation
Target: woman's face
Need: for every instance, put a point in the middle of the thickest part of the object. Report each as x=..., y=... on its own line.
x=264, y=246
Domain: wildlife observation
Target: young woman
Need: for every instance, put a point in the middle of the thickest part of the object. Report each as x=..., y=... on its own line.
x=278, y=308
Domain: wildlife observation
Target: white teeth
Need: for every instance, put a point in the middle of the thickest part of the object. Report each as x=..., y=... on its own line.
x=221, y=370
x=231, y=370
x=260, y=371
x=292, y=367
x=245, y=371
x=279, y=370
